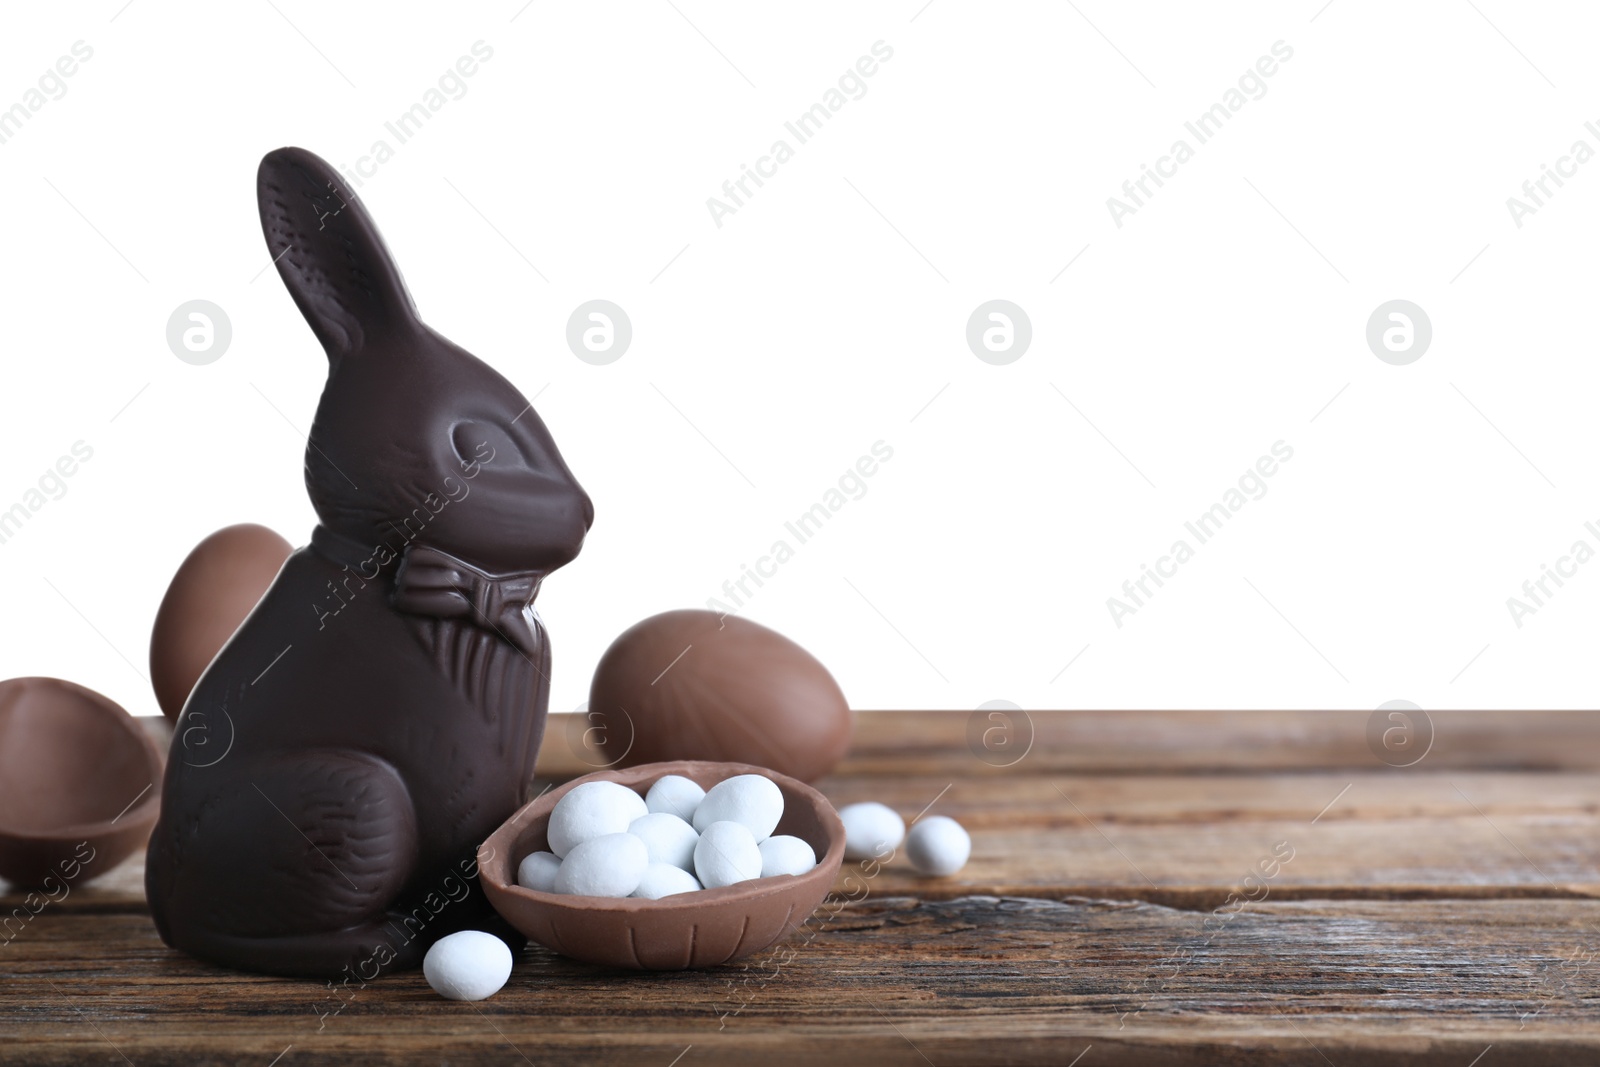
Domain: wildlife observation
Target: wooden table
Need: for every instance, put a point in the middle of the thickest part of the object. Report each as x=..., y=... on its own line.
x=1115, y=911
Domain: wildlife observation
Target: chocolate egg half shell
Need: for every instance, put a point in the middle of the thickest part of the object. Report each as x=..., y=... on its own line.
x=80, y=785
x=695, y=685
x=215, y=588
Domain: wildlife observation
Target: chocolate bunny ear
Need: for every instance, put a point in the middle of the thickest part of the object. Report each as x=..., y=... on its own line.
x=329, y=254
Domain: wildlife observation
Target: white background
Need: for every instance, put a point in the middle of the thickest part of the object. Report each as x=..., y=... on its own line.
x=830, y=311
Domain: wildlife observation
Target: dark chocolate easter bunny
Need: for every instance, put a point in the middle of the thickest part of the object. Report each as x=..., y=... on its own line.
x=378, y=713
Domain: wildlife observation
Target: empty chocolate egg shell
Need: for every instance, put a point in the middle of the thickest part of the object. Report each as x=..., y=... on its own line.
x=79, y=782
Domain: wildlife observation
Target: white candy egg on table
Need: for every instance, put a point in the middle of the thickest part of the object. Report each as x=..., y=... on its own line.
x=938, y=845
x=607, y=866
x=751, y=800
x=665, y=880
x=538, y=871
x=592, y=810
x=668, y=838
x=786, y=855
x=467, y=965
x=725, y=854
x=871, y=830
x=675, y=795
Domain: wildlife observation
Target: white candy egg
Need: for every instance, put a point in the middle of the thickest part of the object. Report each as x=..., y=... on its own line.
x=467, y=965
x=665, y=880
x=871, y=830
x=786, y=855
x=752, y=800
x=592, y=810
x=675, y=795
x=668, y=838
x=726, y=853
x=606, y=866
x=538, y=871
x=938, y=845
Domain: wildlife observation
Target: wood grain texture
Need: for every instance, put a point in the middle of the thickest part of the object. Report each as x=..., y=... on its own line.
x=1187, y=841
x=1416, y=915
x=1143, y=742
x=952, y=743
x=891, y=980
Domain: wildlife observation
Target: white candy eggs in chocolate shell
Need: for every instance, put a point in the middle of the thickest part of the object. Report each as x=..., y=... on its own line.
x=675, y=795
x=786, y=855
x=608, y=841
x=668, y=838
x=751, y=800
x=665, y=880
x=607, y=866
x=726, y=853
x=538, y=871
x=592, y=810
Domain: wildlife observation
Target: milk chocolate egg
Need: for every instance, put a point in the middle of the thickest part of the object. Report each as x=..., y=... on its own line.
x=696, y=685
x=215, y=588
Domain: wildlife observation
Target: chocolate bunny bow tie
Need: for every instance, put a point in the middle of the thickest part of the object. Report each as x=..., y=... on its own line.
x=432, y=582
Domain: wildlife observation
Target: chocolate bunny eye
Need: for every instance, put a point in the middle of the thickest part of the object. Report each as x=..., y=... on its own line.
x=485, y=443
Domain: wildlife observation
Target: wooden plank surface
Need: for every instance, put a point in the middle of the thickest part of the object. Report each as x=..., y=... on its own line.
x=976, y=980
x=1413, y=915
x=1188, y=841
x=974, y=744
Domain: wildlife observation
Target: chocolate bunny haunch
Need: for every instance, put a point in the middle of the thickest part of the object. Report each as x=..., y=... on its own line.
x=378, y=713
